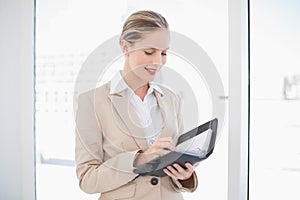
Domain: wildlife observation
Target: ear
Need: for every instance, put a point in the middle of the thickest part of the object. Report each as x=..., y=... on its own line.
x=124, y=46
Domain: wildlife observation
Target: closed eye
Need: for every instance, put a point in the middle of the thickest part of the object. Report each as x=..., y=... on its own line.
x=148, y=53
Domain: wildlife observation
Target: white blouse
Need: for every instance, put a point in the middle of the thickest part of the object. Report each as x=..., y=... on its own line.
x=147, y=111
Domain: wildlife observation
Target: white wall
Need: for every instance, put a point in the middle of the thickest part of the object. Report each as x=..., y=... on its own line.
x=16, y=104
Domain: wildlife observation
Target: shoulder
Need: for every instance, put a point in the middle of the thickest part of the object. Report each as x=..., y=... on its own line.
x=97, y=93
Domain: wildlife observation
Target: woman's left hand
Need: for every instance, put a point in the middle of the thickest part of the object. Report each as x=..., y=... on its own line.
x=176, y=172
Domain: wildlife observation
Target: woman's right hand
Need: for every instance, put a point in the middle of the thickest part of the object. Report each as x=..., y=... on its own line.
x=160, y=147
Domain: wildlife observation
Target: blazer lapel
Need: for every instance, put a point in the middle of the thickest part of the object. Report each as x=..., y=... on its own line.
x=126, y=119
x=165, y=112
x=169, y=129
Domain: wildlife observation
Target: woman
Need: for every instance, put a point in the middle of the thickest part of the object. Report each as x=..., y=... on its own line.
x=131, y=120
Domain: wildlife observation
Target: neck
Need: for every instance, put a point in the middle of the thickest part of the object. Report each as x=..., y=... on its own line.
x=139, y=86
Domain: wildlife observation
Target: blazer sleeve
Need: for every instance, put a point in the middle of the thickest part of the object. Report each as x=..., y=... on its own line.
x=189, y=185
x=94, y=174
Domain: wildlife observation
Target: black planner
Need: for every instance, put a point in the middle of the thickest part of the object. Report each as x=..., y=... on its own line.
x=193, y=147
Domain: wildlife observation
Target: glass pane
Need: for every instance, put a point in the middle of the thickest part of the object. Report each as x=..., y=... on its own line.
x=275, y=100
x=67, y=32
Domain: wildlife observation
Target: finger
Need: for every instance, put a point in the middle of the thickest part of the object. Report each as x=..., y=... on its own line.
x=190, y=167
x=172, y=170
x=165, y=139
x=162, y=152
x=175, y=172
x=183, y=173
x=179, y=168
x=161, y=144
x=170, y=174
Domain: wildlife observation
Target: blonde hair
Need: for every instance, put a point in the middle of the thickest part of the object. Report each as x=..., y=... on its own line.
x=142, y=22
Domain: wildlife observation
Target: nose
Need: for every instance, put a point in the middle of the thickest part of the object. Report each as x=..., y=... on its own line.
x=157, y=60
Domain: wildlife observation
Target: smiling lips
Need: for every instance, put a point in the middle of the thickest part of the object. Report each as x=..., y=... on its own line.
x=151, y=71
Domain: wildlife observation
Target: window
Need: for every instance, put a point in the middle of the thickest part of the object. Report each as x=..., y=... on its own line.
x=67, y=32
x=274, y=103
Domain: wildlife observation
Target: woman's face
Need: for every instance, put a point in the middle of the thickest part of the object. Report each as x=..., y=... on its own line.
x=147, y=56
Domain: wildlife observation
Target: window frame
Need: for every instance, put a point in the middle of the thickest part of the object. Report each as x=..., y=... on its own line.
x=239, y=66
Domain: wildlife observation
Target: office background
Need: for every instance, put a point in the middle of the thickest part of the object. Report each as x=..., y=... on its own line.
x=44, y=43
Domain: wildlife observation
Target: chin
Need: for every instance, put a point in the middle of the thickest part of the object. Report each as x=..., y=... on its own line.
x=149, y=78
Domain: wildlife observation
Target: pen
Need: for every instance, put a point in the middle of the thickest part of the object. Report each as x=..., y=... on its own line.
x=168, y=149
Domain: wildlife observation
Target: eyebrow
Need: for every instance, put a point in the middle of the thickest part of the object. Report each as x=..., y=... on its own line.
x=157, y=49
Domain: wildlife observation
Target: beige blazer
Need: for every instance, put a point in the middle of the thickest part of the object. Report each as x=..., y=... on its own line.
x=108, y=138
